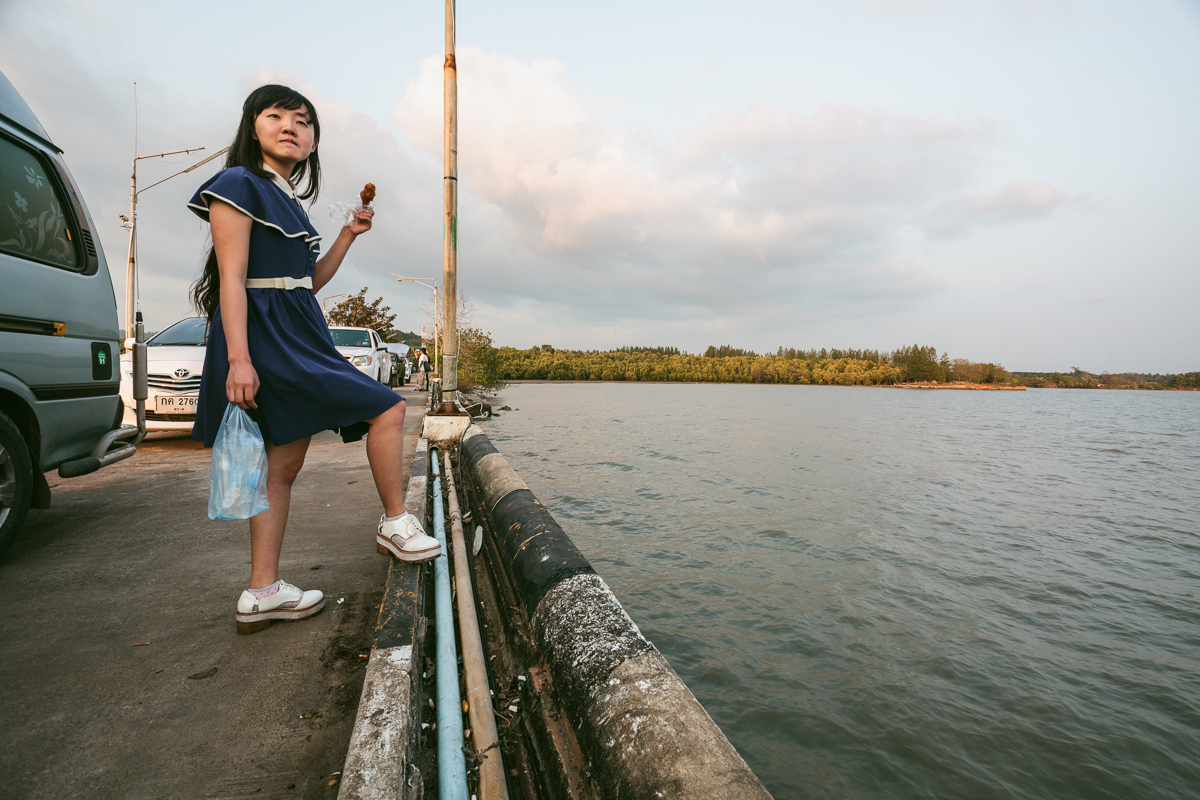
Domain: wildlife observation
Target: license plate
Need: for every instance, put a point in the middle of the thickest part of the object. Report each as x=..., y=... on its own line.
x=172, y=404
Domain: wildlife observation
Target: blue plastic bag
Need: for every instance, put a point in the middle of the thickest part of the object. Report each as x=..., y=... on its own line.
x=237, y=486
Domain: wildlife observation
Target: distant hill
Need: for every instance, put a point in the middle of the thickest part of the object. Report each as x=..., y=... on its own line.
x=413, y=340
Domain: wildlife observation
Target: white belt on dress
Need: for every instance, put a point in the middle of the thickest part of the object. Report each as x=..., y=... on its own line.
x=279, y=283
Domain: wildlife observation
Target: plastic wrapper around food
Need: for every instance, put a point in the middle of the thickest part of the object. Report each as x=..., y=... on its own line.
x=237, y=487
x=343, y=213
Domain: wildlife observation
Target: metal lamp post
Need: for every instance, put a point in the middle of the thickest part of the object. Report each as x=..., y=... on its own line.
x=131, y=224
x=325, y=310
x=433, y=286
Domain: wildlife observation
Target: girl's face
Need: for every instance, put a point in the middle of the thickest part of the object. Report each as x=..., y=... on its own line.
x=286, y=137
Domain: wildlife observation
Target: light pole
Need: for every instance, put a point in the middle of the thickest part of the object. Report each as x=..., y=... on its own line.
x=433, y=286
x=131, y=224
x=325, y=310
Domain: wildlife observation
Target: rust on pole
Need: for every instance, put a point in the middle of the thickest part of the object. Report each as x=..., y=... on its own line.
x=450, y=221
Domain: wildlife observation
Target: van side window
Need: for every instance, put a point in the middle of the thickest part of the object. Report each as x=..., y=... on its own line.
x=33, y=224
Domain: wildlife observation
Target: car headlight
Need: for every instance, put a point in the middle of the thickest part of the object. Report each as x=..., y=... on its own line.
x=360, y=361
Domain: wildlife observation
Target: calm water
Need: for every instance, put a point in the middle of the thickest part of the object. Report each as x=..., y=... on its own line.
x=881, y=593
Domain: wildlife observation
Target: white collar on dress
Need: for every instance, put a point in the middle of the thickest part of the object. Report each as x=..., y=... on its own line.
x=280, y=181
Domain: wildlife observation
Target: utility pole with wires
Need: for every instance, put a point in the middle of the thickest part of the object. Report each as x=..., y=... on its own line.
x=450, y=220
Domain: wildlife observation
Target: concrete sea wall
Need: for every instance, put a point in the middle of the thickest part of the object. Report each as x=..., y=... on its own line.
x=382, y=760
x=639, y=729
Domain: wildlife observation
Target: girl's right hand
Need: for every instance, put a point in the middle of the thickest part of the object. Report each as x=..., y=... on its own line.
x=242, y=385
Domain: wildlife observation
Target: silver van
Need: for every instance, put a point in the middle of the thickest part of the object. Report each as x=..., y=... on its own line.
x=59, y=377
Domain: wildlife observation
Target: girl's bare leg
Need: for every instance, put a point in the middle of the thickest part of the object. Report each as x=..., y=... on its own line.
x=266, y=529
x=385, y=451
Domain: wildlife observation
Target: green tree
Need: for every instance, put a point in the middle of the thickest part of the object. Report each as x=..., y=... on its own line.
x=725, y=351
x=356, y=312
x=919, y=364
x=479, y=362
x=1189, y=380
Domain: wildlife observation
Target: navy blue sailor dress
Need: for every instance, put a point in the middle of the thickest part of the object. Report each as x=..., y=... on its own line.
x=306, y=385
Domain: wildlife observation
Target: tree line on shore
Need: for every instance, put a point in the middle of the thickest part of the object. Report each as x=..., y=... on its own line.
x=492, y=366
x=1080, y=379
x=728, y=364
x=483, y=364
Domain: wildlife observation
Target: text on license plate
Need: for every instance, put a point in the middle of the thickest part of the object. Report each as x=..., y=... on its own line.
x=176, y=404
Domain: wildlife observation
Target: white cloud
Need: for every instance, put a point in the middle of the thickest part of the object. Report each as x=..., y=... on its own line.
x=761, y=212
x=1016, y=201
x=578, y=225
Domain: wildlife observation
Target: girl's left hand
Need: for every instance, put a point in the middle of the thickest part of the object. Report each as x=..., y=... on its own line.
x=362, y=221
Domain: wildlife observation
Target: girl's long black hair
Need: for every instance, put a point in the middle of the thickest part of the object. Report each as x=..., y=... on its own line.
x=246, y=152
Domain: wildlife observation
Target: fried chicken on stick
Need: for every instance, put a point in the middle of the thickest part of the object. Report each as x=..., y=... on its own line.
x=367, y=194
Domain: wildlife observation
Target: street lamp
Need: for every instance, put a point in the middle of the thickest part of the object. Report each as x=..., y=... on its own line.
x=130, y=222
x=433, y=286
x=325, y=310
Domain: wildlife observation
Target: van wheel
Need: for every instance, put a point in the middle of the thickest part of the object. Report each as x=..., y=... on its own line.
x=16, y=481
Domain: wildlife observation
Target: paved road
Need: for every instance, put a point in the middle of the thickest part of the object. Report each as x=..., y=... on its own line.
x=127, y=556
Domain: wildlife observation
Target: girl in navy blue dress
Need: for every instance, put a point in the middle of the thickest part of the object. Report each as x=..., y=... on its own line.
x=270, y=351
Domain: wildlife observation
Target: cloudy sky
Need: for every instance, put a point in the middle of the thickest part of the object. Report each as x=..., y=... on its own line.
x=1015, y=181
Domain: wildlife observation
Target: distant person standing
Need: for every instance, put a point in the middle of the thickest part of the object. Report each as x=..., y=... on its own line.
x=424, y=367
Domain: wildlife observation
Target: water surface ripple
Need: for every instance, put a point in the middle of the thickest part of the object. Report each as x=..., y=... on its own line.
x=880, y=593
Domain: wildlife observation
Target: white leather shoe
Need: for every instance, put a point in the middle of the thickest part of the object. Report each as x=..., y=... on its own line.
x=406, y=540
x=287, y=605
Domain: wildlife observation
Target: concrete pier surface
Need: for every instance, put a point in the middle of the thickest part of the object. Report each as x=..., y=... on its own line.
x=123, y=675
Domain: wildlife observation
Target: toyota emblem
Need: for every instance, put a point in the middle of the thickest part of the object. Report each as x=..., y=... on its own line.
x=182, y=373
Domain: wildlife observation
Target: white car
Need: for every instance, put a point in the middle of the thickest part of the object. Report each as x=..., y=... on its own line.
x=175, y=361
x=400, y=364
x=364, y=349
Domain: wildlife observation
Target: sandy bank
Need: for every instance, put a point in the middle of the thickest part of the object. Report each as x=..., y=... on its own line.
x=984, y=386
